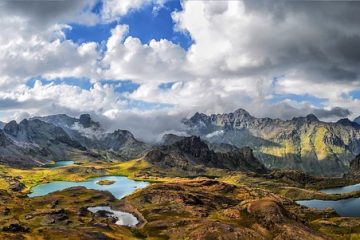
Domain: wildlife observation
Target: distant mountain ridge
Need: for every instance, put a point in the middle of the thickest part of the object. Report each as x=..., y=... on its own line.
x=302, y=143
x=38, y=140
x=357, y=120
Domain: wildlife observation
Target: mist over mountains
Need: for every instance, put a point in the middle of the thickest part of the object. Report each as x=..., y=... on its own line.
x=302, y=143
x=36, y=141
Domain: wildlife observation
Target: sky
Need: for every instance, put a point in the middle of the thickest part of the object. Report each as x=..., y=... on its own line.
x=143, y=65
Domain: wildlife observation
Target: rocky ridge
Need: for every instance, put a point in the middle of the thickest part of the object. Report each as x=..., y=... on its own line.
x=191, y=153
x=303, y=143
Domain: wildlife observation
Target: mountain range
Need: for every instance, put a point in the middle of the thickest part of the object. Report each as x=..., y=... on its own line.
x=36, y=141
x=233, y=141
x=302, y=143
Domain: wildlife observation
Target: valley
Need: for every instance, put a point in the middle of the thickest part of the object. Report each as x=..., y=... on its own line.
x=183, y=188
x=179, y=120
x=171, y=207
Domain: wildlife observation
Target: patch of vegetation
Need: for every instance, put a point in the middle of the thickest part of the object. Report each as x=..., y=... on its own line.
x=105, y=182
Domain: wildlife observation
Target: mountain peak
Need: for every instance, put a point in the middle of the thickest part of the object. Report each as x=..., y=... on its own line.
x=309, y=118
x=347, y=122
x=242, y=111
x=86, y=121
x=12, y=128
x=312, y=118
x=198, y=116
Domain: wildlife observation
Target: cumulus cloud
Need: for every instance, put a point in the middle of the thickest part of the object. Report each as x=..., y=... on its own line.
x=243, y=53
x=29, y=49
x=114, y=9
x=128, y=58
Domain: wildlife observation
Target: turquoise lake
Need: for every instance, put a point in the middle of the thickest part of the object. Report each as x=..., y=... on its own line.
x=122, y=186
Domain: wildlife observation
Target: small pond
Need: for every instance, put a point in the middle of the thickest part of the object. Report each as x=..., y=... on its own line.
x=122, y=218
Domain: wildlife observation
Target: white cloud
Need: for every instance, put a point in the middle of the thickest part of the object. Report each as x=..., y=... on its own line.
x=26, y=52
x=128, y=58
x=239, y=47
x=114, y=9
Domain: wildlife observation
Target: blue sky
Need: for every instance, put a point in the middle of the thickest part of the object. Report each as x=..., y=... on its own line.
x=223, y=58
x=145, y=24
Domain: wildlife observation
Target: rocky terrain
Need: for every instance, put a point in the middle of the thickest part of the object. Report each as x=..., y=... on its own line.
x=208, y=187
x=208, y=209
x=303, y=143
x=61, y=215
x=178, y=209
x=192, y=154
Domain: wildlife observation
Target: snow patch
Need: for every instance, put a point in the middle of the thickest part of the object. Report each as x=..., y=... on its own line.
x=215, y=134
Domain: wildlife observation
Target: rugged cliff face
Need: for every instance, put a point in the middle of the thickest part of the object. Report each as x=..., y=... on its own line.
x=190, y=153
x=303, y=143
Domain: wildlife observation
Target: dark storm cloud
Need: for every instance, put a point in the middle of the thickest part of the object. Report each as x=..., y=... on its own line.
x=349, y=47
x=285, y=111
x=336, y=112
x=11, y=104
x=324, y=45
x=46, y=12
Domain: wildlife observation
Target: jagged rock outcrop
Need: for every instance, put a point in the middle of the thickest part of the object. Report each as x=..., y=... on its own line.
x=123, y=143
x=192, y=151
x=86, y=121
x=303, y=143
